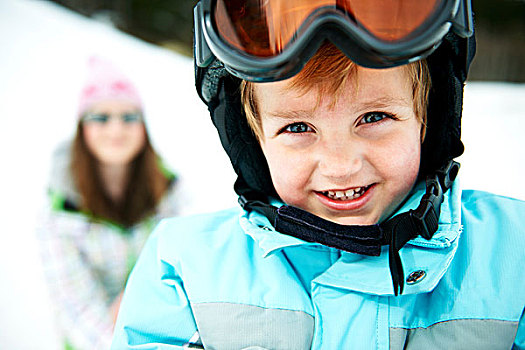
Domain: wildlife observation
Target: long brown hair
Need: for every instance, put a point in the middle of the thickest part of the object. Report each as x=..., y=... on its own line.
x=146, y=184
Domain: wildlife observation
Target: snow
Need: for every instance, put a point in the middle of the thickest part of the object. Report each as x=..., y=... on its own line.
x=44, y=48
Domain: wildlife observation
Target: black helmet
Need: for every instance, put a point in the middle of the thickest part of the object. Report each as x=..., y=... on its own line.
x=448, y=61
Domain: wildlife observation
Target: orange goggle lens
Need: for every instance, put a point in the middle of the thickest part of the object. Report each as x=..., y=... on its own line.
x=265, y=27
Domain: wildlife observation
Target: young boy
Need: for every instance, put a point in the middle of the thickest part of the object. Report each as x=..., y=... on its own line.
x=353, y=232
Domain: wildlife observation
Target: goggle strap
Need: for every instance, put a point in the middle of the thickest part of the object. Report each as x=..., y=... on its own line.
x=463, y=23
x=202, y=53
x=208, y=80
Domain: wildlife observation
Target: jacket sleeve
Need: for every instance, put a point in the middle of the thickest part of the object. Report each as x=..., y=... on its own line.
x=81, y=303
x=155, y=312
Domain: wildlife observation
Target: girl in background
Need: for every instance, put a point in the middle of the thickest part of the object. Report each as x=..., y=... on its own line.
x=108, y=190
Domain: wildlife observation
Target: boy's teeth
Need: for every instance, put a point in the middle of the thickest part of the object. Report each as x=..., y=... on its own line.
x=346, y=195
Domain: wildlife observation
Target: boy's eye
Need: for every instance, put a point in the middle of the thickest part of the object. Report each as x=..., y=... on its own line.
x=96, y=118
x=374, y=117
x=297, y=128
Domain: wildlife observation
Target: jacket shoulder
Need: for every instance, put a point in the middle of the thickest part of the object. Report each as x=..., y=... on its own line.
x=493, y=225
x=197, y=230
x=491, y=206
x=197, y=222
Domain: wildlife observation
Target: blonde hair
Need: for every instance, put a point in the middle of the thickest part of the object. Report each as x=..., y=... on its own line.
x=328, y=71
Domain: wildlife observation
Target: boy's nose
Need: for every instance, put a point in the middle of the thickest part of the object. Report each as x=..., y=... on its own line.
x=339, y=160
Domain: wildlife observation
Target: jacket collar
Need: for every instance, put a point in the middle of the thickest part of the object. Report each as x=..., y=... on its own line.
x=371, y=274
x=259, y=228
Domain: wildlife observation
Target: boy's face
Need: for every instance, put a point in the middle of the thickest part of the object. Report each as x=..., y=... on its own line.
x=351, y=163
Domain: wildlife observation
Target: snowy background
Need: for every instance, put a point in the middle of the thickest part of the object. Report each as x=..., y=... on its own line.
x=43, y=50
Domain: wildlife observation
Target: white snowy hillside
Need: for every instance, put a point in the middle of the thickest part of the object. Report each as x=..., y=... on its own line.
x=43, y=50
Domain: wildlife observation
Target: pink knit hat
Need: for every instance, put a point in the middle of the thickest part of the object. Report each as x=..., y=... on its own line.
x=105, y=82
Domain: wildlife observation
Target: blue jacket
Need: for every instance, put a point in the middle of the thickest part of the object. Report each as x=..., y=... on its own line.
x=229, y=281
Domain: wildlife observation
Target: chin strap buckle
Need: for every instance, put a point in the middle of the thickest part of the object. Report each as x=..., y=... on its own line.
x=426, y=216
x=423, y=221
x=242, y=201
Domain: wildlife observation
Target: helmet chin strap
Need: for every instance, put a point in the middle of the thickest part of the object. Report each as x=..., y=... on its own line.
x=366, y=240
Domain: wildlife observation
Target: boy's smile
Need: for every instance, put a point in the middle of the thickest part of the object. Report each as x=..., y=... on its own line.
x=351, y=160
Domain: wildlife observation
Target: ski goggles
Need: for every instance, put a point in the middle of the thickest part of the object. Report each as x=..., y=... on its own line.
x=272, y=39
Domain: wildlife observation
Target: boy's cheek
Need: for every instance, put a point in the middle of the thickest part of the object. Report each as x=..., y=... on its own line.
x=402, y=171
x=403, y=162
x=290, y=178
x=293, y=196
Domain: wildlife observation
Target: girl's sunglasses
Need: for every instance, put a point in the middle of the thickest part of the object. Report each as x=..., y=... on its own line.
x=103, y=118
